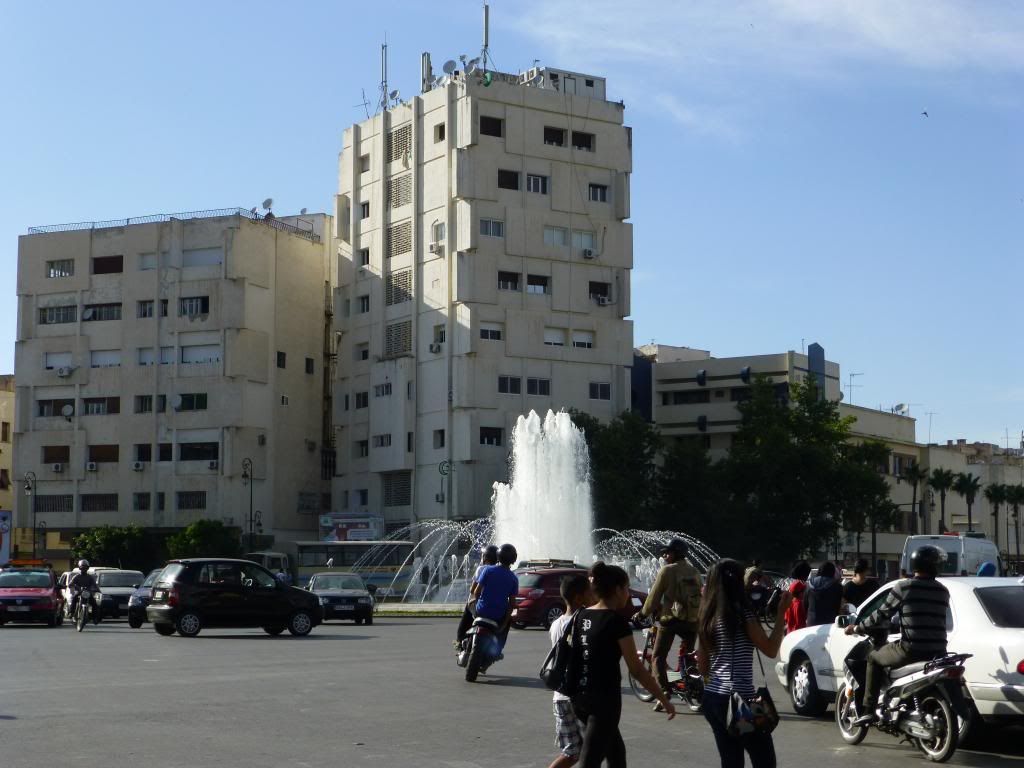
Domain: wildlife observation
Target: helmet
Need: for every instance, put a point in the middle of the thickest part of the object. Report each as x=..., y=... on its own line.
x=927, y=560
x=83, y=564
x=507, y=554
x=677, y=547
x=489, y=554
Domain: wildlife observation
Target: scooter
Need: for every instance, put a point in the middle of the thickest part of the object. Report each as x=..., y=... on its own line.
x=480, y=648
x=922, y=701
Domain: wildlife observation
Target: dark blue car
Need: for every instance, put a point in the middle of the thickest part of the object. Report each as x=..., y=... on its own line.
x=140, y=599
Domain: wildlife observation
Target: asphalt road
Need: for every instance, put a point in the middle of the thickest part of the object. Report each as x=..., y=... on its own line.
x=385, y=695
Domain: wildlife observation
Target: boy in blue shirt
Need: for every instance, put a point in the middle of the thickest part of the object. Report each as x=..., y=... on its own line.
x=496, y=589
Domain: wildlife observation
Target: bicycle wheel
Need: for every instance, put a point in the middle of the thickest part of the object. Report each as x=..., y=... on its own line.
x=693, y=693
x=647, y=659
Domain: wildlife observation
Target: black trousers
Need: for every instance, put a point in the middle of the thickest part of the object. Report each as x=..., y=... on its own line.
x=759, y=746
x=890, y=655
x=466, y=621
x=599, y=715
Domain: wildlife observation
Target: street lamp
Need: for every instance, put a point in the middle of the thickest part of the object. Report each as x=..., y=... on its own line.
x=30, y=486
x=249, y=479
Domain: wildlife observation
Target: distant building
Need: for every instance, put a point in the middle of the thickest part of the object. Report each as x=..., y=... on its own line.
x=8, y=487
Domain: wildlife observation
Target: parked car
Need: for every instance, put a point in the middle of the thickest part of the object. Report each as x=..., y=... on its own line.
x=343, y=596
x=539, y=601
x=30, y=595
x=986, y=619
x=140, y=599
x=116, y=587
x=217, y=592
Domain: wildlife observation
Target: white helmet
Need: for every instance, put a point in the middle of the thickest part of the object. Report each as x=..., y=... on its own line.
x=83, y=564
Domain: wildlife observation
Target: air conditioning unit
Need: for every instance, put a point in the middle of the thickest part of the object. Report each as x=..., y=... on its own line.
x=603, y=301
x=588, y=253
x=435, y=247
x=65, y=371
x=58, y=467
x=91, y=466
x=439, y=498
x=138, y=466
x=435, y=347
x=213, y=464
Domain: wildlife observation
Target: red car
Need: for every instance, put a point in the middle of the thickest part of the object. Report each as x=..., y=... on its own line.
x=30, y=595
x=539, y=601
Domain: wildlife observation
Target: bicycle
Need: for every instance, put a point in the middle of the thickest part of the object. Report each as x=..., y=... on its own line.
x=684, y=680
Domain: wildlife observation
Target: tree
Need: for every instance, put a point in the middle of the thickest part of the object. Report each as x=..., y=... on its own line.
x=1015, y=497
x=967, y=486
x=915, y=474
x=127, y=547
x=205, y=538
x=941, y=481
x=689, y=493
x=866, y=492
x=995, y=494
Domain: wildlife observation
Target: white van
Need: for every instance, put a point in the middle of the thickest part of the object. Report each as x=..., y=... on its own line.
x=965, y=553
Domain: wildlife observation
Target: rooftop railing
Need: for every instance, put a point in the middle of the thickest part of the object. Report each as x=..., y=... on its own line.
x=185, y=216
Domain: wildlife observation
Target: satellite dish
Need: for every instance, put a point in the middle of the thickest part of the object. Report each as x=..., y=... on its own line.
x=393, y=95
x=901, y=408
x=842, y=396
x=537, y=80
x=471, y=67
x=176, y=402
x=449, y=67
x=302, y=212
x=253, y=209
x=462, y=58
x=267, y=203
x=67, y=411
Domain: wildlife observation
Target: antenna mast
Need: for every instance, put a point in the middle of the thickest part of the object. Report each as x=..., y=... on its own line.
x=382, y=103
x=487, y=28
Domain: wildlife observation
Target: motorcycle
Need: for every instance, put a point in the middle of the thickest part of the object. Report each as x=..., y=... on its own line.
x=922, y=701
x=88, y=603
x=480, y=648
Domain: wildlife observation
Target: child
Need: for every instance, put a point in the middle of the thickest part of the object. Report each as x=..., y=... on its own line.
x=575, y=591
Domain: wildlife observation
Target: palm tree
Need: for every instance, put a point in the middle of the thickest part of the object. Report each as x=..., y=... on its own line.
x=941, y=480
x=915, y=474
x=1015, y=497
x=995, y=494
x=967, y=486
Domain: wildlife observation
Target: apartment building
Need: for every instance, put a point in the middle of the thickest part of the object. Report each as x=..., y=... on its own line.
x=7, y=485
x=172, y=368
x=484, y=271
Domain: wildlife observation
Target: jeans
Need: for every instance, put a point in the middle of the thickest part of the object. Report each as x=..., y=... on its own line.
x=759, y=746
x=890, y=655
x=599, y=715
x=667, y=632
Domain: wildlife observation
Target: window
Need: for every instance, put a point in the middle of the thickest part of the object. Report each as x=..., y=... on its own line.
x=739, y=394
x=284, y=400
x=508, y=179
x=364, y=210
x=105, y=454
x=510, y=385
x=364, y=257
x=165, y=452
x=198, y=353
x=492, y=126
x=382, y=390
x=398, y=287
x=599, y=291
x=144, y=308
x=56, y=454
x=438, y=133
x=166, y=355
x=163, y=307
x=101, y=406
x=361, y=449
x=538, y=284
x=192, y=401
x=143, y=452
x=67, y=313
x=439, y=438
x=382, y=441
x=105, y=358
x=600, y=390
x=363, y=305
x=146, y=356
x=490, y=331
x=193, y=306
x=53, y=360
x=599, y=193
x=492, y=228
x=397, y=489
x=535, y=183
x=541, y=387
x=398, y=339
x=398, y=191
x=584, y=141
x=143, y=403
x=198, y=451
x=583, y=339
x=491, y=435
x=686, y=397
x=48, y=408
x=97, y=312
x=556, y=236
x=582, y=238
x=410, y=390
x=554, y=137
x=409, y=442
x=107, y=265
x=554, y=337
x=282, y=359
x=5, y=479
x=190, y=500
x=439, y=334
x=363, y=495
x=589, y=83
x=362, y=400
x=99, y=502
x=437, y=231
x=310, y=365
x=398, y=239
x=362, y=351
x=48, y=502
x=60, y=268
x=140, y=502
x=202, y=257
x=364, y=163
x=399, y=144
x=508, y=281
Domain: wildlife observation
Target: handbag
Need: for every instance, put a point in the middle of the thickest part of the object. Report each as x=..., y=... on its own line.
x=751, y=714
x=559, y=668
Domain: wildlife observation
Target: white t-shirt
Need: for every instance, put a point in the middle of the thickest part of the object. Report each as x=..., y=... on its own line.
x=557, y=627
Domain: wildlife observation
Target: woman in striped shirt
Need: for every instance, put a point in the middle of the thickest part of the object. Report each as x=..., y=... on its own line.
x=728, y=633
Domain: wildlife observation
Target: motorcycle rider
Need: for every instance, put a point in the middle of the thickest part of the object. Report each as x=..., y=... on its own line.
x=81, y=581
x=498, y=587
x=489, y=556
x=922, y=603
x=675, y=600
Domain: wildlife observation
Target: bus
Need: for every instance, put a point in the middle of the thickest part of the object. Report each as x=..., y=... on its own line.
x=387, y=565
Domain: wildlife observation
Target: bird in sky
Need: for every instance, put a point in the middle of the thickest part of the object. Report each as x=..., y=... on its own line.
x=925, y=113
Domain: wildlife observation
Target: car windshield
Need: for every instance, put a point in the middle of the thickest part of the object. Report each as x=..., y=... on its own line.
x=1004, y=605
x=119, y=578
x=23, y=579
x=151, y=579
x=337, y=581
x=530, y=580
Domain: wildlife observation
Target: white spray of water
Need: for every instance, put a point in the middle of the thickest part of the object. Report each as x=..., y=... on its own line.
x=545, y=511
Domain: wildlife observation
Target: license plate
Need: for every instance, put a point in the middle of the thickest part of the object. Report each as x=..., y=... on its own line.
x=344, y=607
x=17, y=608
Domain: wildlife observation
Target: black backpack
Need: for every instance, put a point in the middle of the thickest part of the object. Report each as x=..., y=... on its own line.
x=560, y=670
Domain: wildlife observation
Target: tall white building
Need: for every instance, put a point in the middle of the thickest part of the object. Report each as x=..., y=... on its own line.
x=484, y=271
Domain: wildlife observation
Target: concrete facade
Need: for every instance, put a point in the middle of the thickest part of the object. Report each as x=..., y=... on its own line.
x=8, y=488
x=149, y=364
x=484, y=271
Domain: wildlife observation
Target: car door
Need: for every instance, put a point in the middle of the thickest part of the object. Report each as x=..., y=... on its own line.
x=838, y=644
x=218, y=594
x=265, y=601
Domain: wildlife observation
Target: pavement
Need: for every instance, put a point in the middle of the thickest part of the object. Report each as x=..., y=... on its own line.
x=389, y=694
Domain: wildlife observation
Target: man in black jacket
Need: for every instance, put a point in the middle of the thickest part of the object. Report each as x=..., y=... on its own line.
x=824, y=595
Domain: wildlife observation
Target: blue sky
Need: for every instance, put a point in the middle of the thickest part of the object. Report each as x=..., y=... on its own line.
x=786, y=186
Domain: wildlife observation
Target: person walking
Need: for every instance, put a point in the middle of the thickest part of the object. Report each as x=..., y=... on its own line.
x=602, y=638
x=824, y=596
x=576, y=593
x=861, y=586
x=796, y=614
x=728, y=633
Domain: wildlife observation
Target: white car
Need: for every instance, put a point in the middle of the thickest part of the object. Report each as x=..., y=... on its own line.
x=986, y=619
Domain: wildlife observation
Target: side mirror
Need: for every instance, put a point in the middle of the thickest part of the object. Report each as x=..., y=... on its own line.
x=843, y=621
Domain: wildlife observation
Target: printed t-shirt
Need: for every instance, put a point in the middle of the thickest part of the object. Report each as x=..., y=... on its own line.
x=599, y=633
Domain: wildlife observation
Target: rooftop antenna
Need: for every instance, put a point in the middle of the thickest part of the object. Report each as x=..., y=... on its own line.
x=487, y=30
x=365, y=104
x=930, y=414
x=426, y=73
x=851, y=385
x=382, y=102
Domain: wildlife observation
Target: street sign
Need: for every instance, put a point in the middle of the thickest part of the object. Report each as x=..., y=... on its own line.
x=444, y=467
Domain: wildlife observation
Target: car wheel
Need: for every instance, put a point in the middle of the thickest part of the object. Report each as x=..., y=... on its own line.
x=518, y=625
x=552, y=614
x=51, y=621
x=275, y=630
x=803, y=690
x=189, y=624
x=369, y=620
x=164, y=629
x=359, y=622
x=134, y=622
x=300, y=624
